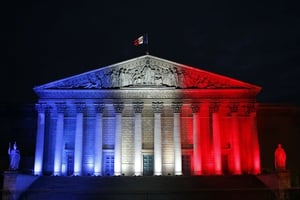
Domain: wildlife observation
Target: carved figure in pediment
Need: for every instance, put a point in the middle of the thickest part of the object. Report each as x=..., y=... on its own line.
x=94, y=82
x=148, y=73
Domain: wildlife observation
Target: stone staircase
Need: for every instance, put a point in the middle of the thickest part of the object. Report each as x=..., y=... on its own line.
x=246, y=187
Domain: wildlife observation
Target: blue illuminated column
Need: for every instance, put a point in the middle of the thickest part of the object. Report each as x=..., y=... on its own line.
x=118, y=138
x=39, y=149
x=59, y=138
x=235, y=138
x=176, y=138
x=80, y=107
x=214, y=109
x=157, y=109
x=138, y=108
x=196, y=140
x=98, y=140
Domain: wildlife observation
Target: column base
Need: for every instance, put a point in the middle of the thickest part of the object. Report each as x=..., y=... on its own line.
x=77, y=174
x=178, y=173
x=138, y=174
x=97, y=174
x=117, y=174
x=196, y=173
x=37, y=173
x=56, y=174
x=157, y=174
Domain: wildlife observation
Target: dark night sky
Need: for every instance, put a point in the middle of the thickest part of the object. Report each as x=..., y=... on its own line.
x=252, y=41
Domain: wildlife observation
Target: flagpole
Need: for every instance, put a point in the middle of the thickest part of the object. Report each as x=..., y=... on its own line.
x=147, y=44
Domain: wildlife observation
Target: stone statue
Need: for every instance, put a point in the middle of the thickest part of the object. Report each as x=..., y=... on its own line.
x=280, y=158
x=14, y=155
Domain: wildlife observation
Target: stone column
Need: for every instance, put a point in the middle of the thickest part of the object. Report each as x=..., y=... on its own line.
x=80, y=107
x=98, y=139
x=251, y=110
x=157, y=108
x=235, y=138
x=216, y=136
x=176, y=138
x=118, y=138
x=59, y=138
x=39, y=149
x=196, y=138
x=138, y=108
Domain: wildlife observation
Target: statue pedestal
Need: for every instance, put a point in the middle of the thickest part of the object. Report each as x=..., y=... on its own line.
x=14, y=183
x=279, y=182
x=284, y=181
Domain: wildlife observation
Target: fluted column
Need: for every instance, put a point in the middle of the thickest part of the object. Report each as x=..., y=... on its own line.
x=39, y=150
x=255, y=143
x=176, y=138
x=118, y=138
x=59, y=138
x=80, y=107
x=214, y=109
x=157, y=108
x=138, y=108
x=235, y=138
x=99, y=107
x=196, y=138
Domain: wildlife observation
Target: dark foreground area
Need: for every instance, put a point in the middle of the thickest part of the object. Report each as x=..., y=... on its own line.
x=148, y=188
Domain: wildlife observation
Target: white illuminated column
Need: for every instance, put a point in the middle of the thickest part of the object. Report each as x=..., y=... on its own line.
x=118, y=138
x=59, y=138
x=39, y=150
x=157, y=108
x=98, y=140
x=216, y=137
x=80, y=107
x=176, y=138
x=138, y=108
x=235, y=138
x=196, y=138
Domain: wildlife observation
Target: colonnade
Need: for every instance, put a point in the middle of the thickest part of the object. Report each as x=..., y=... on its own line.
x=138, y=108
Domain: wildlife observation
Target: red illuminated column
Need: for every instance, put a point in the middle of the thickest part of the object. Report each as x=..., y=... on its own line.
x=255, y=142
x=157, y=108
x=98, y=140
x=138, y=108
x=59, y=138
x=176, y=138
x=235, y=138
x=78, y=139
x=39, y=150
x=214, y=109
x=118, y=138
x=196, y=138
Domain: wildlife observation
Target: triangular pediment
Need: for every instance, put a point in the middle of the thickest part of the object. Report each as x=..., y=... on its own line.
x=147, y=72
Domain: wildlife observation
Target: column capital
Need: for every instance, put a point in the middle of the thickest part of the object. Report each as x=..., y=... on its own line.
x=41, y=107
x=195, y=107
x=119, y=107
x=233, y=107
x=157, y=106
x=99, y=107
x=61, y=107
x=176, y=107
x=214, y=107
x=138, y=107
x=80, y=107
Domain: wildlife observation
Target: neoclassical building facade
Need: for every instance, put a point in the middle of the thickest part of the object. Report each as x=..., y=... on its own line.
x=147, y=116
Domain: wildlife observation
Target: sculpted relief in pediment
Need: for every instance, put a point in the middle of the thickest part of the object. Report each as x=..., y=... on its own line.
x=144, y=75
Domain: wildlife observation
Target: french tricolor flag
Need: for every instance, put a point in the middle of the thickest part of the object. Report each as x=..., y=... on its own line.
x=141, y=40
